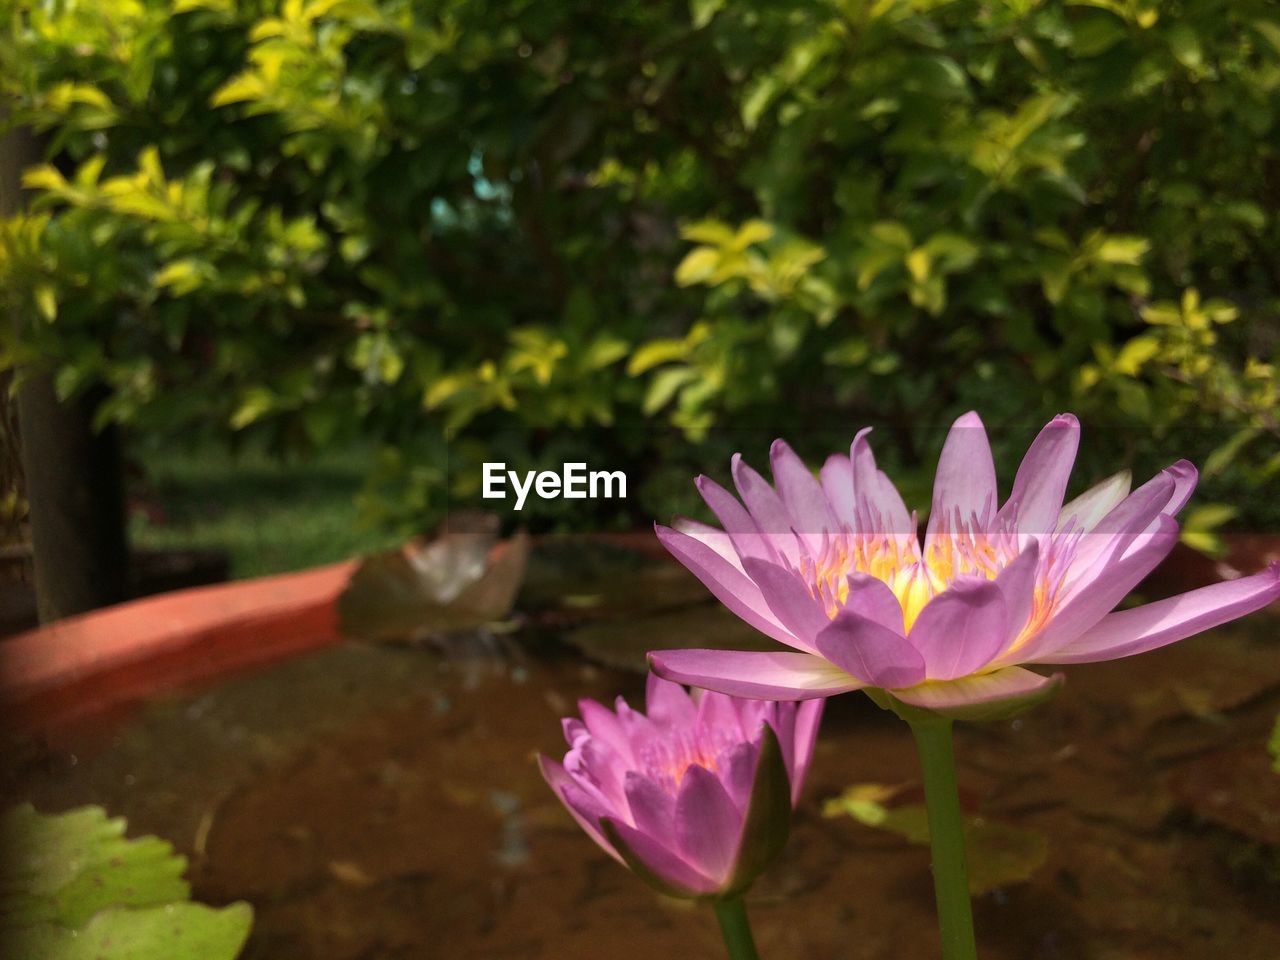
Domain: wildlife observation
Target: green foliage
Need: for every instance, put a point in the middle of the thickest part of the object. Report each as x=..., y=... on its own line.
x=73, y=887
x=425, y=222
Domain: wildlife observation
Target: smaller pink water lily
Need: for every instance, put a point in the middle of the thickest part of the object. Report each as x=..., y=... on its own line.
x=833, y=568
x=695, y=797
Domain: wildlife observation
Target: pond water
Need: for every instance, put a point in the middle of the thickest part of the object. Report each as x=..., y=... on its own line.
x=383, y=801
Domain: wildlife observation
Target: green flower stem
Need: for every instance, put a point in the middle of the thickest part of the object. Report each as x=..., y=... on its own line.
x=732, y=915
x=946, y=835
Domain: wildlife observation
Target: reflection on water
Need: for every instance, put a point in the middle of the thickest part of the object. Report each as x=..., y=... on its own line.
x=383, y=802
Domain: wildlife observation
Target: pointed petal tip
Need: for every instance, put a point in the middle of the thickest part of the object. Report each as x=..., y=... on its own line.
x=970, y=419
x=552, y=770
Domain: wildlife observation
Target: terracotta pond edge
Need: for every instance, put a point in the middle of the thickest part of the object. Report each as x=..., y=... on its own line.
x=98, y=664
x=83, y=667
x=87, y=664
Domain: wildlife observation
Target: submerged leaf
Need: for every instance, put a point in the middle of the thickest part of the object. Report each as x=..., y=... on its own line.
x=999, y=854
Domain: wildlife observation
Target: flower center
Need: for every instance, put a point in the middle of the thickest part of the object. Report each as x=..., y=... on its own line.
x=669, y=760
x=916, y=576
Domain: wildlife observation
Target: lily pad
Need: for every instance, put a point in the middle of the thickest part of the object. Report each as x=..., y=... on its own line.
x=72, y=885
x=999, y=854
x=65, y=868
x=188, y=930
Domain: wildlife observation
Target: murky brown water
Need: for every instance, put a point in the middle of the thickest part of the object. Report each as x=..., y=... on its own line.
x=382, y=802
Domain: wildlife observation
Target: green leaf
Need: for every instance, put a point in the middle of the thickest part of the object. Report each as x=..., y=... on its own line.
x=698, y=265
x=190, y=931
x=255, y=403
x=710, y=232
x=1122, y=249
x=184, y=276
x=952, y=252
x=752, y=232
x=46, y=301
x=1185, y=46
x=247, y=86
x=701, y=11
x=655, y=353
x=1135, y=353
x=44, y=177
x=1162, y=314
x=893, y=234
x=73, y=887
x=664, y=385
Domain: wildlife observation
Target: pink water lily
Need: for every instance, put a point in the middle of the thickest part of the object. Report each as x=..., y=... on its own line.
x=696, y=796
x=833, y=568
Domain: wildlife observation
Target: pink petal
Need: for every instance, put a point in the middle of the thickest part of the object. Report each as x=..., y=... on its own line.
x=664, y=863
x=790, y=602
x=837, y=483
x=746, y=537
x=808, y=720
x=668, y=703
x=801, y=494
x=559, y=780
x=880, y=508
x=730, y=586
x=871, y=652
x=985, y=696
x=709, y=536
x=1107, y=587
x=1185, y=476
x=764, y=675
x=708, y=824
x=961, y=629
x=1041, y=481
x=1131, y=517
x=965, y=483
x=722, y=714
x=1017, y=582
x=766, y=509
x=652, y=809
x=1086, y=510
x=1128, y=632
x=604, y=725
x=740, y=770
x=871, y=597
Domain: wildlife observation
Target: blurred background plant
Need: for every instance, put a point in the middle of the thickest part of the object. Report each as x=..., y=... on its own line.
x=537, y=232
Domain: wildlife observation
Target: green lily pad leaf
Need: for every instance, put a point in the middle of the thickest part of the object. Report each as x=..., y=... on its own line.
x=73, y=886
x=999, y=854
x=63, y=869
x=150, y=933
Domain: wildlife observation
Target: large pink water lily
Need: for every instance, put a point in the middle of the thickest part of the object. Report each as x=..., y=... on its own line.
x=696, y=796
x=833, y=568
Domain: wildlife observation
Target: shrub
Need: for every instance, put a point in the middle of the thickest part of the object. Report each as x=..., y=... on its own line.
x=459, y=222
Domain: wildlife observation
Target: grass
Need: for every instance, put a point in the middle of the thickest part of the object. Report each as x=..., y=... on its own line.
x=270, y=516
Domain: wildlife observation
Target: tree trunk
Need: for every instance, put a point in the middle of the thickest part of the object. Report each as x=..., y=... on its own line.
x=73, y=474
